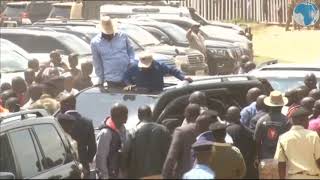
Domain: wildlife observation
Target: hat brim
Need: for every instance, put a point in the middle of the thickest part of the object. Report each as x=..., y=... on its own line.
x=267, y=101
x=143, y=65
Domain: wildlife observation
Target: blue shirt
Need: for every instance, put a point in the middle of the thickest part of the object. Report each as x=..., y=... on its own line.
x=199, y=171
x=111, y=58
x=248, y=113
x=152, y=79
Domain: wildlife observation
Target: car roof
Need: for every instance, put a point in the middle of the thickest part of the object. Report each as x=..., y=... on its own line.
x=38, y=32
x=287, y=70
x=166, y=17
x=64, y=4
x=174, y=83
x=18, y=3
x=24, y=118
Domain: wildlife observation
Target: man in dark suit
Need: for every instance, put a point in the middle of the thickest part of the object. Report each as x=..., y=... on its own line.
x=179, y=159
x=149, y=147
x=82, y=132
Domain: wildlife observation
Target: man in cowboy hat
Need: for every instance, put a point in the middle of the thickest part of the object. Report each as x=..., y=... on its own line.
x=148, y=74
x=112, y=53
x=268, y=130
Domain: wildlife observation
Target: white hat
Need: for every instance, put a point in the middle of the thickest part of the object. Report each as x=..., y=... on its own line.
x=107, y=26
x=275, y=99
x=145, y=60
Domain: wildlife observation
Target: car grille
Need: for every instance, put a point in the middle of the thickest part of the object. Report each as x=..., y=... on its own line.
x=195, y=59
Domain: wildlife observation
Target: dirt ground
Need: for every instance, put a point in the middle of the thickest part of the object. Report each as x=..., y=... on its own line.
x=289, y=47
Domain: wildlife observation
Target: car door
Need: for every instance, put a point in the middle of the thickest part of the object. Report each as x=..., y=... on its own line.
x=7, y=163
x=57, y=159
x=25, y=153
x=217, y=99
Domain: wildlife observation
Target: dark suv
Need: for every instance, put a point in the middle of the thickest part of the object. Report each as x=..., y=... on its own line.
x=168, y=106
x=26, y=12
x=33, y=145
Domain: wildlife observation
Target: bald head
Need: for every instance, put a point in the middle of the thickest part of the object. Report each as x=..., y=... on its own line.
x=253, y=94
x=119, y=114
x=145, y=113
x=249, y=66
x=315, y=94
x=310, y=81
x=307, y=103
x=191, y=112
x=199, y=98
x=243, y=60
x=233, y=114
x=202, y=123
x=260, y=103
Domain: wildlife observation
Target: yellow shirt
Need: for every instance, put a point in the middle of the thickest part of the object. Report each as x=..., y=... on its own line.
x=299, y=148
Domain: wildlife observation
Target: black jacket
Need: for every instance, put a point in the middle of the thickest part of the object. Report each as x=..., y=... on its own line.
x=83, y=133
x=148, y=151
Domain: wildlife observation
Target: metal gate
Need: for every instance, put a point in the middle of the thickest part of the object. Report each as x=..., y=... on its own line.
x=271, y=11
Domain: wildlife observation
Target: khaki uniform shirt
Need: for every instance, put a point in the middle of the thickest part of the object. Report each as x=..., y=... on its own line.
x=299, y=148
x=227, y=162
x=196, y=41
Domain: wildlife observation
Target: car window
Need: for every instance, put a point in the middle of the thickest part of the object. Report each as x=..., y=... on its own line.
x=157, y=33
x=51, y=144
x=143, y=37
x=60, y=11
x=104, y=101
x=14, y=10
x=78, y=46
x=41, y=9
x=25, y=153
x=176, y=32
x=12, y=61
x=6, y=156
x=36, y=44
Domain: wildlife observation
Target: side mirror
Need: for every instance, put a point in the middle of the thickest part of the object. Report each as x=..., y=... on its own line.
x=7, y=175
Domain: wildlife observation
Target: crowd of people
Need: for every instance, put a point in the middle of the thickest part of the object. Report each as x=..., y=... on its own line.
x=43, y=86
x=269, y=138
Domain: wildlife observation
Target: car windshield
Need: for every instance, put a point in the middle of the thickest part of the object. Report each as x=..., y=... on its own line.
x=104, y=101
x=285, y=84
x=60, y=11
x=141, y=36
x=11, y=61
x=88, y=30
x=12, y=46
x=77, y=46
x=14, y=10
x=177, y=33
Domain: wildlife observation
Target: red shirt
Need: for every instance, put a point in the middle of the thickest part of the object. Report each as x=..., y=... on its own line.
x=292, y=109
x=314, y=124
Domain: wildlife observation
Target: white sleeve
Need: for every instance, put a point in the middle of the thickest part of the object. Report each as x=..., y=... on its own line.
x=103, y=148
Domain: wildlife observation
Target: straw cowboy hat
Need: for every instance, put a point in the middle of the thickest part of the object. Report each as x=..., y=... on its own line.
x=107, y=25
x=145, y=60
x=275, y=99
